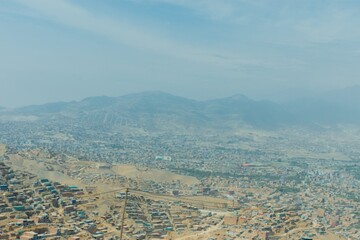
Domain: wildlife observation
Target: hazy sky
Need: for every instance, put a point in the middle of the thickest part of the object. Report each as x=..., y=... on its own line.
x=52, y=50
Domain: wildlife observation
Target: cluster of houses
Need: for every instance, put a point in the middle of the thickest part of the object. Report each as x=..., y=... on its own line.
x=32, y=208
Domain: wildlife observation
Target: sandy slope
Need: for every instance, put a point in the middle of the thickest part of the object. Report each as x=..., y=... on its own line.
x=153, y=174
x=2, y=149
x=39, y=169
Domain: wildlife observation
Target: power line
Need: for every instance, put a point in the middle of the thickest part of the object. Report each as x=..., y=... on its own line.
x=123, y=214
x=195, y=202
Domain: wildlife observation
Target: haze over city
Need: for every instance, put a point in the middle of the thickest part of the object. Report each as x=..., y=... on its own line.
x=180, y=120
x=68, y=50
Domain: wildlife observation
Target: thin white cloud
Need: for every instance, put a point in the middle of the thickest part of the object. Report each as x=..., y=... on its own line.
x=125, y=33
x=233, y=11
x=212, y=8
x=327, y=22
x=130, y=34
x=331, y=25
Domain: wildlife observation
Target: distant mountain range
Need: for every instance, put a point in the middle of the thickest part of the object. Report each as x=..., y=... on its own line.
x=334, y=107
x=161, y=111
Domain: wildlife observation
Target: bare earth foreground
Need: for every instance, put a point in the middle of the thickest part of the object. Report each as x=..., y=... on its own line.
x=131, y=171
x=158, y=198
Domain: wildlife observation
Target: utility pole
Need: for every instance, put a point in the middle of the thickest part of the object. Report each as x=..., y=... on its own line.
x=123, y=214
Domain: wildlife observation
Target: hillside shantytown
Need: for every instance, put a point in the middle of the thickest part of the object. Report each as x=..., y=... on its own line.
x=179, y=187
x=179, y=120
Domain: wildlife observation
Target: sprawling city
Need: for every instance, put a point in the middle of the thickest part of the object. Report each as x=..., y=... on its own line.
x=179, y=120
x=66, y=182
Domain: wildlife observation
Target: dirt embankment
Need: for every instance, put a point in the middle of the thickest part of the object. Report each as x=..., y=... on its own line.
x=156, y=175
x=2, y=149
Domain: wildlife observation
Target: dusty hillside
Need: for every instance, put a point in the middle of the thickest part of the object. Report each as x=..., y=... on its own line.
x=2, y=149
x=38, y=162
x=131, y=171
x=39, y=168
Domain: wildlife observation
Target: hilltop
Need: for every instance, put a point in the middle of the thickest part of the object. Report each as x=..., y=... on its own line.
x=154, y=111
x=158, y=111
